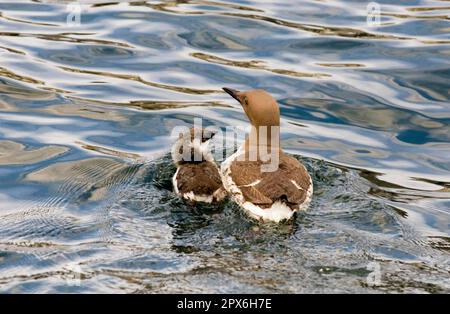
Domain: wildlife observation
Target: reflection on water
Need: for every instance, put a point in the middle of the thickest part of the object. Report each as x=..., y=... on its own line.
x=86, y=115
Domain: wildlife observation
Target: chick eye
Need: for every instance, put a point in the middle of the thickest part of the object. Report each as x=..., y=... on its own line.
x=245, y=100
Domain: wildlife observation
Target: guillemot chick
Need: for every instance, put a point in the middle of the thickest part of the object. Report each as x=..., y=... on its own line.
x=197, y=177
x=269, y=186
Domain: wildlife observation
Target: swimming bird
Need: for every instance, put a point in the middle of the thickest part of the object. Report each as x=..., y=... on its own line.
x=197, y=177
x=267, y=183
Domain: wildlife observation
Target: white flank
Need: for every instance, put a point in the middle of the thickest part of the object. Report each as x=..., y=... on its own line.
x=175, y=183
x=296, y=185
x=198, y=198
x=277, y=212
x=251, y=184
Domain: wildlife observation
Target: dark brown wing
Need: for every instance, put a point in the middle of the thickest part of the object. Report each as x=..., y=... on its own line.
x=200, y=178
x=253, y=195
x=290, y=182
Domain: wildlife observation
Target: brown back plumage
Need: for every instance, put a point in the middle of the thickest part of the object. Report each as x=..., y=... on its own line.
x=272, y=186
x=199, y=178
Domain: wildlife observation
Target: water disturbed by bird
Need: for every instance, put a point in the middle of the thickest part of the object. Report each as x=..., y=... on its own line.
x=86, y=197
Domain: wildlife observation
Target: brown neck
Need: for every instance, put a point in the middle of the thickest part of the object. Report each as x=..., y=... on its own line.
x=262, y=143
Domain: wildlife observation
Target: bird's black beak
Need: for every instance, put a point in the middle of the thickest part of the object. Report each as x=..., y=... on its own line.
x=207, y=135
x=233, y=93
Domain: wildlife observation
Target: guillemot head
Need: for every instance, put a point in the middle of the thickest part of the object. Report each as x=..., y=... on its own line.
x=263, y=142
x=259, y=106
x=192, y=146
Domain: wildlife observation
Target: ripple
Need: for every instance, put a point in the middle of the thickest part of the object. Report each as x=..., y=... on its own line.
x=153, y=104
x=85, y=111
x=12, y=153
x=214, y=40
x=415, y=16
x=136, y=78
x=342, y=65
x=318, y=29
x=110, y=152
x=13, y=50
x=2, y=15
x=7, y=73
x=171, y=7
x=254, y=64
x=66, y=37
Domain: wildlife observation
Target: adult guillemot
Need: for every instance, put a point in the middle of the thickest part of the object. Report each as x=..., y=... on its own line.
x=197, y=177
x=271, y=193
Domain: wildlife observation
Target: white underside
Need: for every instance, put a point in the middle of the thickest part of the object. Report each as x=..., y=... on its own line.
x=198, y=198
x=277, y=212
